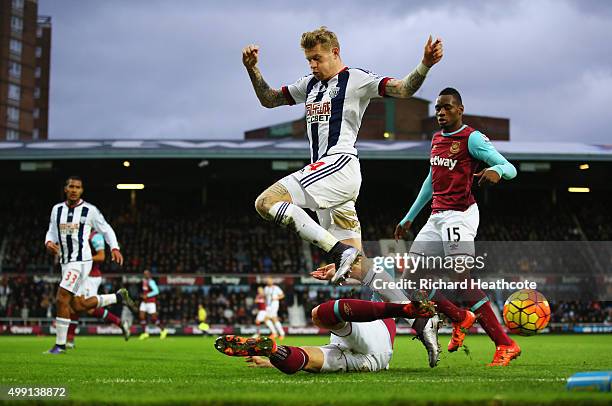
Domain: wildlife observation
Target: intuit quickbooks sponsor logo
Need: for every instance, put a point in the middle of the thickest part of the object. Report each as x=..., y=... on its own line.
x=447, y=162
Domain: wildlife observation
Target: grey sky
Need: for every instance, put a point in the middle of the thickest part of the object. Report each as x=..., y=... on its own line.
x=172, y=69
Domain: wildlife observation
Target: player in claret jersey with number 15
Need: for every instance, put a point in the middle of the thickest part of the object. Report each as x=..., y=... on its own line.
x=456, y=152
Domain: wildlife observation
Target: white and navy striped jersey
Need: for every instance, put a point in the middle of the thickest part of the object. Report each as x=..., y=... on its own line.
x=334, y=108
x=70, y=228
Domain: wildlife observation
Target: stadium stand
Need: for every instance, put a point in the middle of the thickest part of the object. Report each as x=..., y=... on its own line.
x=222, y=235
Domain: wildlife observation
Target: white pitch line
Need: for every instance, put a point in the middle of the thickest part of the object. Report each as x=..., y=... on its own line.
x=347, y=379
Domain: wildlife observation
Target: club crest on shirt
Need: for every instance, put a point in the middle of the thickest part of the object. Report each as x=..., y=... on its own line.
x=333, y=92
x=347, y=309
x=455, y=147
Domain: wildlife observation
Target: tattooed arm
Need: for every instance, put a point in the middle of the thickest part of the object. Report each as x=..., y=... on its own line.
x=267, y=96
x=410, y=84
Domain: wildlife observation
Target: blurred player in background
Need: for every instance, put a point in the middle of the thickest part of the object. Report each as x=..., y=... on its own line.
x=335, y=99
x=70, y=225
x=90, y=288
x=456, y=153
x=203, y=326
x=260, y=302
x=273, y=295
x=362, y=337
x=148, y=306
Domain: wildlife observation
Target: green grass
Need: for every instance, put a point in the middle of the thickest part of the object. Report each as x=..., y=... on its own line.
x=190, y=370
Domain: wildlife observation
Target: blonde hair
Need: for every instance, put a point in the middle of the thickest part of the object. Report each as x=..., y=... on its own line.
x=322, y=36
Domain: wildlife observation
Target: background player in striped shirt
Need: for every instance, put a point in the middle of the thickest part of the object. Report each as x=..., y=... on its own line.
x=148, y=306
x=70, y=224
x=90, y=288
x=456, y=153
x=335, y=99
x=362, y=336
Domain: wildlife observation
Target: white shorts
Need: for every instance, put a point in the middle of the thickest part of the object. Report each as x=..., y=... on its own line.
x=261, y=316
x=148, y=307
x=90, y=286
x=74, y=274
x=272, y=310
x=448, y=233
x=366, y=348
x=329, y=186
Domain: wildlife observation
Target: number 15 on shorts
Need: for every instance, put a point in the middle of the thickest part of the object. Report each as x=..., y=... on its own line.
x=453, y=234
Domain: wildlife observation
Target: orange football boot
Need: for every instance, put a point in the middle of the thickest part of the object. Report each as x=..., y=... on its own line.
x=459, y=330
x=504, y=354
x=236, y=346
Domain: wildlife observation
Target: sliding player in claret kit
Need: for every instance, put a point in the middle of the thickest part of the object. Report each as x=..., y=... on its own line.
x=362, y=336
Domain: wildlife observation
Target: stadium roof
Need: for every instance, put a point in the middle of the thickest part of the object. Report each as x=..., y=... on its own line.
x=279, y=149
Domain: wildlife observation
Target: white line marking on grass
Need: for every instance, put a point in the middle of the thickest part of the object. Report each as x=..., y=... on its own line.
x=349, y=379
x=129, y=380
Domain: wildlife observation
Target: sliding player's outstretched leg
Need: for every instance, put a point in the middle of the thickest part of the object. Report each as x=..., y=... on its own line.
x=285, y=358
x=354, y=346
x=379, y=282
x=337, y=311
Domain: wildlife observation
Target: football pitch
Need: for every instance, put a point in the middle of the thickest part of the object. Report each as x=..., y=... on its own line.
x=188, y=370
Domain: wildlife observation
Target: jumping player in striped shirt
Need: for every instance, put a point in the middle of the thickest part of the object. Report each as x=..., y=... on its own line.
x=70, y=224
x=335, y=99
x=456, y=152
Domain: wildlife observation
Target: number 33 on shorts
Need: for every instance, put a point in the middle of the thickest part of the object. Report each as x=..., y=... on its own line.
x=70, y=279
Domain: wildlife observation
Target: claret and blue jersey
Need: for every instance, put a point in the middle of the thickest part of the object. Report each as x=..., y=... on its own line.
x=453, y=161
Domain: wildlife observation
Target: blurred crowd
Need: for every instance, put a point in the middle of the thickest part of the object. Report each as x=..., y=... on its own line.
x=23, y=298
x=225, y=240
